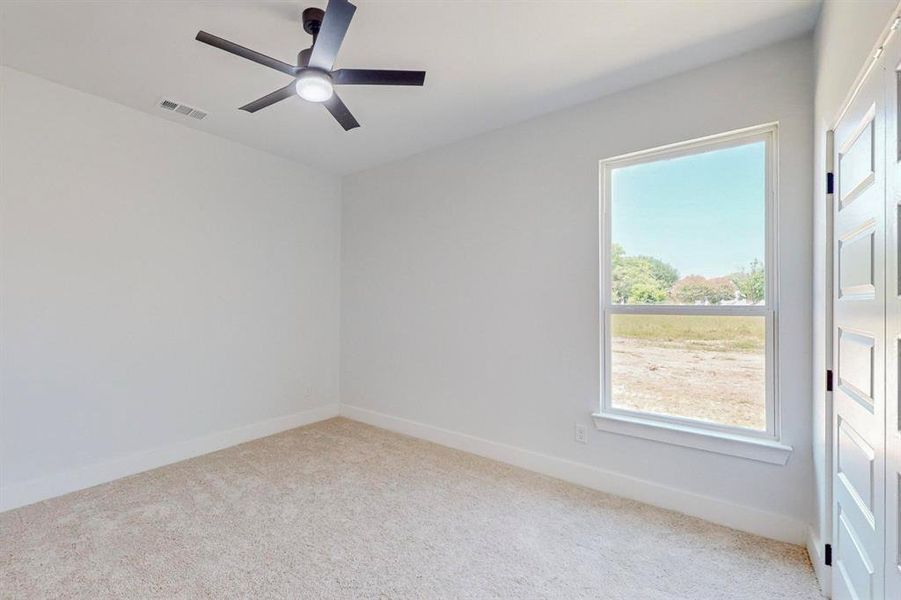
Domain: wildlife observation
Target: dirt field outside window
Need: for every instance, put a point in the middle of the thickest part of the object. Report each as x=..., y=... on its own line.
x=711, y=368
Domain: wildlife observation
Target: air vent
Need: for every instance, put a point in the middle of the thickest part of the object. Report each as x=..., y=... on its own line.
x=182, y=109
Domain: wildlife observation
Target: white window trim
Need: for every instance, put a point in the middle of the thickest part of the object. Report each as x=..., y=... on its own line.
x=765, y=446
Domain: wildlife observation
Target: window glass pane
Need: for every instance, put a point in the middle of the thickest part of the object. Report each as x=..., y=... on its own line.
x=690, y=230
x=711, y=368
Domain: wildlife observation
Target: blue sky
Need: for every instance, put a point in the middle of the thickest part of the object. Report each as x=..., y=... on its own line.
x=703, y=214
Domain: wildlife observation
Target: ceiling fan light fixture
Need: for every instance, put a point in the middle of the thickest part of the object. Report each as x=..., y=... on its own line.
x=314, y=86
x=314, y=75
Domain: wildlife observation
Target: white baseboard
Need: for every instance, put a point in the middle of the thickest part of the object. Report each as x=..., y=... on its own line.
x=35, y=490
x=823, y=572
x=744, y=518
x=752, y=520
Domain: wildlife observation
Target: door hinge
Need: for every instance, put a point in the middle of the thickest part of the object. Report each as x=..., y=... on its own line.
x=828, y=380
x=827, y=555
x=830, y=183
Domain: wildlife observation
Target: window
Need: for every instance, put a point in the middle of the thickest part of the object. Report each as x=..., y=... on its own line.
x=688, y=298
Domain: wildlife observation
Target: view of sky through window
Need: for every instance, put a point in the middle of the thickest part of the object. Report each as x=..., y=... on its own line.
x=693, y=204
x=700, y=215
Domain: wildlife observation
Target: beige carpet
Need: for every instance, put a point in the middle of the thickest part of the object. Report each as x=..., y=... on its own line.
x=343, y=510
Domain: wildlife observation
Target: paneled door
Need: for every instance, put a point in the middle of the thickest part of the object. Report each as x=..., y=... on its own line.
x=859, y=347
x=892, y=82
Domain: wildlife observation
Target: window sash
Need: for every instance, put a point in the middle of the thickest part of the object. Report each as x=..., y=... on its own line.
x=767, y=134
x=738, y=310
x=769, y=369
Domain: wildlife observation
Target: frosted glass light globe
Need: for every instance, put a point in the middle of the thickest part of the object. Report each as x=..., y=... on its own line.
x=314, y=86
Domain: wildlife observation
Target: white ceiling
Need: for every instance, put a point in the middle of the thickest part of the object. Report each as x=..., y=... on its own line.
x=489, y=63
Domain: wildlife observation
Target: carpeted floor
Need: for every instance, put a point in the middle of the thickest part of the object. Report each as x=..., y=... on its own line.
x=343, y=510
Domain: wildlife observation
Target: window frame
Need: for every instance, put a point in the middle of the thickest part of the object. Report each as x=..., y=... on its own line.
x=684, y=430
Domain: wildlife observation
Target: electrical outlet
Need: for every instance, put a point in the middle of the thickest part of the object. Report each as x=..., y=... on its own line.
x=581, y=434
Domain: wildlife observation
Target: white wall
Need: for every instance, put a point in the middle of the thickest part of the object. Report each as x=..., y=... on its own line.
x=846, y=34
x=470, y=282
x=158, y=286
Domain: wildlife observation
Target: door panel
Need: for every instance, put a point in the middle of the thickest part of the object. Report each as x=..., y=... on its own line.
x=857, y=164
x=855, y=366
x=855, y=571
x=855, y=263
x=856, y=466
x=860, y=350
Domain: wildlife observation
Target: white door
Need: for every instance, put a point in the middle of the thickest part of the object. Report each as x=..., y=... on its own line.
x=891, y=83
x=859, y=348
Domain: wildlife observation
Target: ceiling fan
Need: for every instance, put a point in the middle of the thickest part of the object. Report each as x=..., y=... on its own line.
x=314, y=79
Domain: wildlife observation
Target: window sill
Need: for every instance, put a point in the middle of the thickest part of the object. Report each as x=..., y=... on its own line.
x=752, y=448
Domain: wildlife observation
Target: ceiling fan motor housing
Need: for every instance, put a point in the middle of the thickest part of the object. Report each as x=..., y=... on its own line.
x=312, y=20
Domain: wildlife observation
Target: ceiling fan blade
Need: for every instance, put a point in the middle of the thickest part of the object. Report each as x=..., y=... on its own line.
x=223, y=44
x=337, y=18
x=270, y=99
x=340, y=112
x=377, y=77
